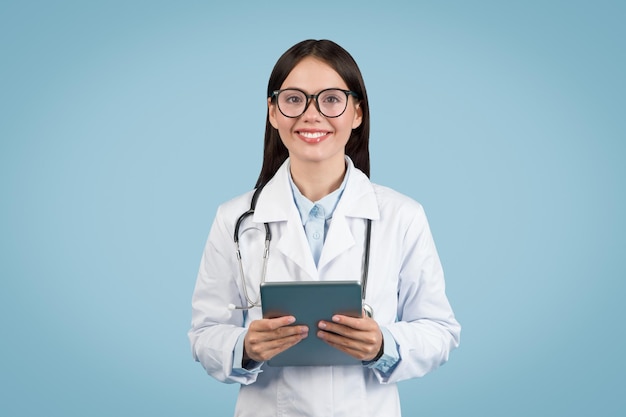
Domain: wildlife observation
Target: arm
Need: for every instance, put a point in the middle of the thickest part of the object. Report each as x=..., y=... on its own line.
x=219, y=338
x=426, y=330
x=215, y=329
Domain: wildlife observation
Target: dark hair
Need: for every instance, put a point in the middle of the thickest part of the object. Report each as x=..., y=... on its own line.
x=357, y=148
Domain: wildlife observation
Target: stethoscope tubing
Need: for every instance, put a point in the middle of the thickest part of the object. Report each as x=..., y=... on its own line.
x=266, y=252
x=268, y=239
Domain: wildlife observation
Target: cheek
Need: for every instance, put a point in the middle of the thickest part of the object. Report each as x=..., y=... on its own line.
x=278, y=121
x=284, y=128
x=349, y=125
x=283, y=125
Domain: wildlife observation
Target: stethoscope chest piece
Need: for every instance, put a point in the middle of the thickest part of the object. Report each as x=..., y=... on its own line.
x=369, y=311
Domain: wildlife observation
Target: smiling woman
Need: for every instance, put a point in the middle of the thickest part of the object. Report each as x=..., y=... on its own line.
x=316, y=142
x=315, y=199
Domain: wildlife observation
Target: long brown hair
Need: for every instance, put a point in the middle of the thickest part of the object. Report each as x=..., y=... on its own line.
x=357, y=148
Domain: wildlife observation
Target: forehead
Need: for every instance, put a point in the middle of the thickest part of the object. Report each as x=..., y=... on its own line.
x=312, y=75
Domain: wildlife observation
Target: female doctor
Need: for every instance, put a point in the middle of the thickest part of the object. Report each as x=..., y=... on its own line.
x=316, y=200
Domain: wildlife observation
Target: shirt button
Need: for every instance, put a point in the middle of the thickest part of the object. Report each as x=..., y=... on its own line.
x=316, y=235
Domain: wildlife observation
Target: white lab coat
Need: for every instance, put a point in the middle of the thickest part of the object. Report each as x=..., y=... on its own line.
x=405, y=288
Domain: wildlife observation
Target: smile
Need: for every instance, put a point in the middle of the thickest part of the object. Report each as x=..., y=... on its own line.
x=313, y=137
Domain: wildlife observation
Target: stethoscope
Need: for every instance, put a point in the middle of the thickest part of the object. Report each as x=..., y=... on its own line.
x=266, y=252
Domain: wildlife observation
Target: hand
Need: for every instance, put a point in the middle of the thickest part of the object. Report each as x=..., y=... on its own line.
x=358, y=337
x=266, y=338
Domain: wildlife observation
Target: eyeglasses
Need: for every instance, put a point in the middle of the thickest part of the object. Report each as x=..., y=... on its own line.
x=331, y=102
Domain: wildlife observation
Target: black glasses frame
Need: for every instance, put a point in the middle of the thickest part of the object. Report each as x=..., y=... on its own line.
x=315, y=99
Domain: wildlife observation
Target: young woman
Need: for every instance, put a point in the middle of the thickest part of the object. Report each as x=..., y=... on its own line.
x=317, y=199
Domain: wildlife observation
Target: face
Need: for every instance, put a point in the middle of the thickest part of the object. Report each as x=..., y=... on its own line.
x=311, y=137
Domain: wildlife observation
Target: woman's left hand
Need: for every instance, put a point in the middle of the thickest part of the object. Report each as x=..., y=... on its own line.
x=358, y=337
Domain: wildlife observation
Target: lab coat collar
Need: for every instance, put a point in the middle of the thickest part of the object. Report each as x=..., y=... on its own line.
x=275, y=204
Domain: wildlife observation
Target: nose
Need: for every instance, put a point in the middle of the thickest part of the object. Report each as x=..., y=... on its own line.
x=311, y=104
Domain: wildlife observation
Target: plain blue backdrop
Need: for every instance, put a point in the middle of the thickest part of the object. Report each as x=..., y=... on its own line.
x=123, y=125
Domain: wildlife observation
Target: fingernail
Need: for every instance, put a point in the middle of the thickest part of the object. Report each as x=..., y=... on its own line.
x=336, y=319
x=322, y=325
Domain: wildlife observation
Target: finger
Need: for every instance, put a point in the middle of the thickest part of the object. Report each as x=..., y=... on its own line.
x=337, y=329
x=272, y=324
x=360, y=323
x=365, y=342
x=350, y=328
x=255, y=336
x=358, y=350
x=270, y=353
x=266, y=350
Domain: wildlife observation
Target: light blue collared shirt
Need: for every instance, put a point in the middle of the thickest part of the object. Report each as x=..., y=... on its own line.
x=316, y=216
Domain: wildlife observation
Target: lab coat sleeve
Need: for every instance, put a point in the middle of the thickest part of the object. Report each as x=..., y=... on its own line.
x=426, y=330
x=215, y=328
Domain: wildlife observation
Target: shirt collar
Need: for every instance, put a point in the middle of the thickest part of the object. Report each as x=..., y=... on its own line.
x=327, y=203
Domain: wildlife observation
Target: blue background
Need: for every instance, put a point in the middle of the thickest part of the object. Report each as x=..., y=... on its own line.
x=124, y=124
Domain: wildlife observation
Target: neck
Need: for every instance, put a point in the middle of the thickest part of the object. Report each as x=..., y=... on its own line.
x=316, y=181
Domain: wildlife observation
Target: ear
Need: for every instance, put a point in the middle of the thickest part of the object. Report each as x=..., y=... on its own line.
x=358, y=116
x=271, y=107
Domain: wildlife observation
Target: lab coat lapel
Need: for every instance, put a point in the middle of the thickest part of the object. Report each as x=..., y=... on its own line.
x=293, y=245
x=276, y=204
x=358, y=201
x=339, y=240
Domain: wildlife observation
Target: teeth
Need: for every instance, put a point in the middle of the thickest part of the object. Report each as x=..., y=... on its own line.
x=312, y=135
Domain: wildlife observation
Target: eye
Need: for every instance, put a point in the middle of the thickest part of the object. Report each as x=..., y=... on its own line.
x=333, y=97
x=292, y=97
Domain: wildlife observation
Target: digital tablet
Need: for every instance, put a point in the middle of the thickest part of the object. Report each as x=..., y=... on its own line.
x=309, y=302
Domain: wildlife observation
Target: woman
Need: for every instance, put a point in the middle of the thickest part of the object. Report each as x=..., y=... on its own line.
x=317, y=198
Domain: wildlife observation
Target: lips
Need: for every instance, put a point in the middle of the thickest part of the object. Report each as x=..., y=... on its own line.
x=312, y=136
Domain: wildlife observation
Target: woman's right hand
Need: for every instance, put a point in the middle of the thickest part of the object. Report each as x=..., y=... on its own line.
x=266, y=338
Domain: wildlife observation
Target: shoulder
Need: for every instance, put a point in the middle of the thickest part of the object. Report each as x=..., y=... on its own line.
x=377, y=202
x=394, y=201
x=235, y=207
x=399, y=213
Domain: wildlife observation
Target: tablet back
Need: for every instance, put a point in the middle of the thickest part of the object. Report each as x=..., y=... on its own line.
x=309, y=302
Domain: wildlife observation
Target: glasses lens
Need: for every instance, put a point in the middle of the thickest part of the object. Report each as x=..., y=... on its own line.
x=291, y=102
x=332, y=103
